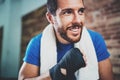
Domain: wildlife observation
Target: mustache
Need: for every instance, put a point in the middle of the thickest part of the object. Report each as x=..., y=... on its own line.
x=74, y=26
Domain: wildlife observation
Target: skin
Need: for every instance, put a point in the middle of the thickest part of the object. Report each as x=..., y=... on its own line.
x=67, y=24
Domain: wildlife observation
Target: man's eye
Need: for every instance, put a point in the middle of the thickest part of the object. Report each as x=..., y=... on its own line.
x=67, y=12
x=81, y=10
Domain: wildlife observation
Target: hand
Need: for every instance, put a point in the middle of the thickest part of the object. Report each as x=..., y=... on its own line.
x=71, y=62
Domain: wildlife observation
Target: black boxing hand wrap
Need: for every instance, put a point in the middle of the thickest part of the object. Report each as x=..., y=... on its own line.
x=71, y=61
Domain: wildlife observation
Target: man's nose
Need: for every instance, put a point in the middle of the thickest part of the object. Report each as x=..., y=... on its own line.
x=77, y=18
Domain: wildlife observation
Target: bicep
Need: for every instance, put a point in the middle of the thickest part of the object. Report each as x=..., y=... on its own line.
x=105, y=70
x=28, y=70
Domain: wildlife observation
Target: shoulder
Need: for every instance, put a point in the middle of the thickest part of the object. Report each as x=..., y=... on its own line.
x=94, y=34
x=96, y=37
x=35, y=42
x=37, y=38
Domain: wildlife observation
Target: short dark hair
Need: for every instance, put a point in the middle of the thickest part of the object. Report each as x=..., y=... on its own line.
x=52, y=6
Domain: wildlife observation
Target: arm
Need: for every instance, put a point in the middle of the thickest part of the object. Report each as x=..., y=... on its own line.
x=105, y=70
x=30, y=72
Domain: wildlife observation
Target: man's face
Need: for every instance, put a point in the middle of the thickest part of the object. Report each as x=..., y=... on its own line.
x=69, y=20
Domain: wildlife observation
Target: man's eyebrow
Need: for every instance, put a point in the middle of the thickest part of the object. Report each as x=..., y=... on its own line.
x=66, y=9
x=82, y=8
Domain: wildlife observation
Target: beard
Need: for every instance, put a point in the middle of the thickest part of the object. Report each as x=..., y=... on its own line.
x=64, y=33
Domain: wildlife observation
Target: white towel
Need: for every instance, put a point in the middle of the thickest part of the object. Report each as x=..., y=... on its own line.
x=48, y=54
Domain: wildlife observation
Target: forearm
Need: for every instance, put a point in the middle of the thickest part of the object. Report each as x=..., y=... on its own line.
x=45, y=76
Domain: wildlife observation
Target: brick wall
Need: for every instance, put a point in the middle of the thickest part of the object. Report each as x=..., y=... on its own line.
x=32, y=24
x=104, y=16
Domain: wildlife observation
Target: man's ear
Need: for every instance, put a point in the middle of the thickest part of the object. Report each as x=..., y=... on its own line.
x=50, y=18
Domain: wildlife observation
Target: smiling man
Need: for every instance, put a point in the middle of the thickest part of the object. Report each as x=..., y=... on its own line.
x=69, y=20
x=66, y=50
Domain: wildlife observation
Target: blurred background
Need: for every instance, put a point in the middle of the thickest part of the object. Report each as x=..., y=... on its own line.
x=20, y=20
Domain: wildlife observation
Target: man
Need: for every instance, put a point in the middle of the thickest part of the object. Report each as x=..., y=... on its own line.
x=67, y=29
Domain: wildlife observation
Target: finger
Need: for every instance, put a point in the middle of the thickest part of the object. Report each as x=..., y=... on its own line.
x=63, y=71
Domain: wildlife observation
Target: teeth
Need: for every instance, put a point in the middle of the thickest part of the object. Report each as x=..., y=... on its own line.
x=74, y=28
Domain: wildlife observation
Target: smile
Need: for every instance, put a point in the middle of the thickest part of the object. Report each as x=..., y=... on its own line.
x=74, y=29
